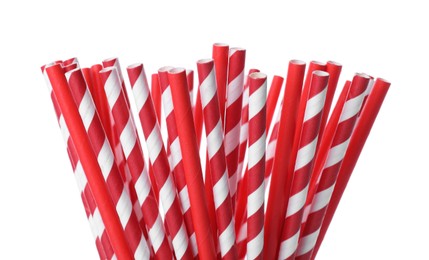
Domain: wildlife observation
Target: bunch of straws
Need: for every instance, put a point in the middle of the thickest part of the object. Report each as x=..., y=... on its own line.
x=258, y=197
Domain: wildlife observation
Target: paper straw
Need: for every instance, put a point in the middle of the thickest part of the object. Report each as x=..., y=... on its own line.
x=135, y=162
x=70, y=67
x=102, y=149
x=308, y=137
x=256, y=165
x=324, y=146
x=333, y=162
x=220, y=57
x=273, y=134
x=190, y=81
x=156, y=96
x=272, y=98
x=233, y=115
x=69, y=61
x=89, y=162
x=334, y=70
x=159, y=161
x=360, y=135
x=175, y=156
x=276, y=201
x=217, y=161
x=191, y=162
x=114, y=62
x=96, y=223
x=198, y=118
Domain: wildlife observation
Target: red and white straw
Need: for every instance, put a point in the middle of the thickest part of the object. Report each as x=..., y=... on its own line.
x=233, y=114
x=256, y=165
x=303, y=164
x=217, y=161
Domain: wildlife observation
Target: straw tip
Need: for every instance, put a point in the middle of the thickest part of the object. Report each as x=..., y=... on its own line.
x=135, y=65
x=204, y=61
x=110, y=59
x=297, y=62
x=334, y=63
x=176, y=71
x=320, y=73
x=165, y=69
x=258, y=75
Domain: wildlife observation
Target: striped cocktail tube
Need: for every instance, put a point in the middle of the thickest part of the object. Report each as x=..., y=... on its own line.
x=96, y=223
x=114, y=62
x=175, y=155
x=135, y=162
x=233, y=115
x=220, y=53
x=303, y=164
x=339, y=145
x=158, y=158
x=217, y=160
x=256, y=165
x=101, y=146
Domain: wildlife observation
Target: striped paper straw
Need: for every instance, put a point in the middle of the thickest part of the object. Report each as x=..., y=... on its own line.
x=135, y=161
x=357, y=141
x=308, y=137
x=89, y=162
x=155, y=91
x=114, y=62
x=70, y=61
x=102, y=149
x=333, y=162
x=217, y=161
x=159, y=161
x=276, y=208
x=96, y=223
x=190, y=81
x=233, y=115
x=256, y=165
x=191, y=162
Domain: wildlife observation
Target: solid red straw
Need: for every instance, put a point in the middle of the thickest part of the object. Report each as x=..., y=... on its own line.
x=357, y=142
x=276, y=207
x=220, y=57
x=89, y=163
x=191, y=162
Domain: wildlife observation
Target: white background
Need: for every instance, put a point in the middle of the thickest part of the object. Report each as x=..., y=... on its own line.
x=384, y=211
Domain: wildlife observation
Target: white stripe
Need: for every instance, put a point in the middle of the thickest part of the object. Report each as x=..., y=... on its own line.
x=352, y=107
x=321, y=199
x=167, y=193
x=288, y=247
x=220, y=190
x=98, y=222
x=140, y=91
x=255, y=200
x=256, y=151
x=86, y=110
x=156, y=234
x=232, y=139
x=336, y=154
x=244, y=132
x=167, y=100
x=255, y=246
x=80, y=176
x=142, y=187
x=124, y=208
x=93, y=227
x=175, y=153
x=184, y=199
x=128, y=138
x=307, y=243
x=64, y=130
x=112, y=87
x=305, y=154
x=245, y=97
x=180, y=242
x=142, y=250
x=154, y=144
x=315, y=105
x=271, y=150
x=193, y=241
x=105, y=159
x=214, y=139
x=257, y=100
x=235, y=89
x=208, y=89
x=307, y=210
x=114, y=257
x=227, y=239
x=233, y=183
x=297, y=202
